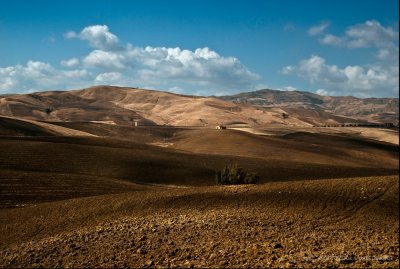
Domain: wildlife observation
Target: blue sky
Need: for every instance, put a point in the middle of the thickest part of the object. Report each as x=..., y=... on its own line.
x=202, y=47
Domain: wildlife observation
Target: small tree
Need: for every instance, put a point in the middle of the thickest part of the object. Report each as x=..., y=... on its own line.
x=233, y=174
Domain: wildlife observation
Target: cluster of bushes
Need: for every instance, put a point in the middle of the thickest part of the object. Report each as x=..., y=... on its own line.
x=48, y=110
x=233, y=174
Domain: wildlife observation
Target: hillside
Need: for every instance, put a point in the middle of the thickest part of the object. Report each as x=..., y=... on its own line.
x=124, y=106
x=369, y=109
x=66, y=160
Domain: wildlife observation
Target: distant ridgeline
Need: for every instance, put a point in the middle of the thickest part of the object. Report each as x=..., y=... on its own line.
x=383, y=112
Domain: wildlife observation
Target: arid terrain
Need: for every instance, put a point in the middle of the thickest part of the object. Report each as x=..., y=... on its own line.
x=82, y=186
x=368, y=109
x=122, y=105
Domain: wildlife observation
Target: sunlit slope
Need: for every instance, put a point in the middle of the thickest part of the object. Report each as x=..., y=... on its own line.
x=126, y=105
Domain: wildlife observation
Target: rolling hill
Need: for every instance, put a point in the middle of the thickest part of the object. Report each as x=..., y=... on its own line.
x=53, y=161
x=82, y=186
x=124, y=106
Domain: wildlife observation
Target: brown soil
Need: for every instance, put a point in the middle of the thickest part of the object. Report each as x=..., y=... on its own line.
x=328, y=200
x=329, y=223
x=55, y=168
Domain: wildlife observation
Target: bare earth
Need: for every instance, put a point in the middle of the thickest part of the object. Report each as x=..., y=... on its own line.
x=146, y=197
x=379, y=134
x=343, y=222
x=123, y=105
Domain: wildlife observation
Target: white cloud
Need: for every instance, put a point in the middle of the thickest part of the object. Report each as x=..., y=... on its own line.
x=287, y=89
x=203, y=66
x=98, y=36
x=37, y=75
x=383, y=54
x=70, y=35
x=105, y=59
x=73, y=62
x=79, y=74
x=159, y=66
x=289, y=69
x=373, y=79
x=196, y=71
x=111, y=78
x=379, y=78
x=329, y=39
x=371, y=33
x=315, y=69
x=368, y=34
x=318, y=29
x=290, y=88
x=325, y=92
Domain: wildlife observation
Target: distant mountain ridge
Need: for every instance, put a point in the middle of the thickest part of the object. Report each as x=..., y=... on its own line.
x=378, y=110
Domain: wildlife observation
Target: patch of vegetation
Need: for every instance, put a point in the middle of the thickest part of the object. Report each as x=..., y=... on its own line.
x=233, y=174
x=48, y=110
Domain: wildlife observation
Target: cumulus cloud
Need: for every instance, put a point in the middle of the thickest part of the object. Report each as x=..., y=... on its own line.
x=110, y=62
x=37, y=75
x=315, y=69
x=371, y=33
x=104, y=59
x=356, y=80
x=368, y=34
x=98, y=36
x=111, y=78
x=156, y=65
x=379, y=78
x=202, y=67
x=318, y=29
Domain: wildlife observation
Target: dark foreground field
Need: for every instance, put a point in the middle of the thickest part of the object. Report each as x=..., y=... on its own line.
x=343, y=222
x=147, y=197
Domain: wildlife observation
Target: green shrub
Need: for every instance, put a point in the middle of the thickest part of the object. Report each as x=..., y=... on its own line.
x=233, y=174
